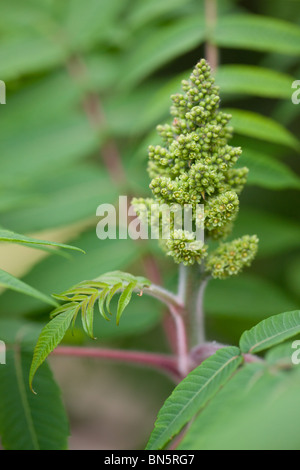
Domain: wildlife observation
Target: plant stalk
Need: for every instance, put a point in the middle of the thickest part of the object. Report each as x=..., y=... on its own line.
x=182, y=342
x=211, y=50
x=203, y=351
x=182, y=283
x=200, y=317
x=164, y=295
x=162, y=362
x=93, y=108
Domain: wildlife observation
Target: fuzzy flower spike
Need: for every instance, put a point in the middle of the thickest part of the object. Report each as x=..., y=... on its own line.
x=194, y=166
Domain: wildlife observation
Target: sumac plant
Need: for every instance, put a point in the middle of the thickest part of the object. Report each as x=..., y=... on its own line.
x=214, y=383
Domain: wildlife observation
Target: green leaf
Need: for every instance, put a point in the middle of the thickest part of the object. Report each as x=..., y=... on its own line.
x=12, y=237
x=241, y=402
x=82, y=297
x=142, y=316
x=253, y=80
x=14, y=330
x=50, y=337
x=143, y=12
x=62, y=199
x=90, y=22
x=163, y=45
x=261, y=127
x=111, y=293
x=87, y=314
x=24, y=54
x=15, y=14
x=102, y=70
x=27, y=421
x=131, y=105
x=257, y=410
x=267, y=172
x=10, y=282
x=10, y=199
x=48, y=147
x=281, y=355
x=62, y=309
x=54, y=93
x=192, y=394
x=124, y=299
x=53, y=275
x=259, y=33
x=286, y=112
x=101, y=303
x=114, y=277
x=269, y=332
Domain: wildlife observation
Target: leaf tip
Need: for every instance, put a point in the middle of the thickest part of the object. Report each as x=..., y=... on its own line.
x=30, y=384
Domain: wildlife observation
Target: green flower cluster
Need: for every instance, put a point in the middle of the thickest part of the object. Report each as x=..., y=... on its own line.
x=220, y=210
x=195, y=165
x=184, y=248
x=230, y=258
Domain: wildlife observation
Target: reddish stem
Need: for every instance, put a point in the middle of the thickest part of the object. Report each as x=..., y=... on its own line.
x=93, y=109
x=211, y=50
x=170, y=331
x=152, y=269
x=183, y=357
x=203, y=351
x=167, y=364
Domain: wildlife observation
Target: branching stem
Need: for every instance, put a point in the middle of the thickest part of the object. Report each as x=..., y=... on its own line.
x=164, y=296
x=176, y=368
